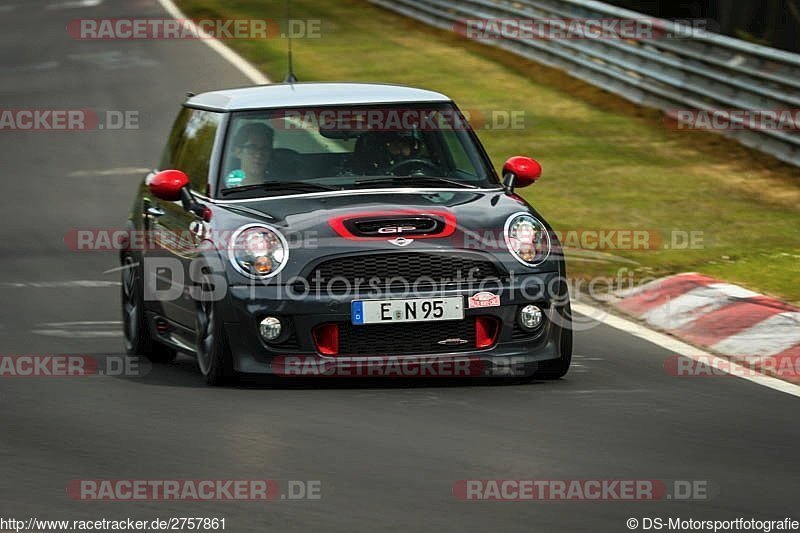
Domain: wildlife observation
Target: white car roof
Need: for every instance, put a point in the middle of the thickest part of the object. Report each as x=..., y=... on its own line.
x=281, y=95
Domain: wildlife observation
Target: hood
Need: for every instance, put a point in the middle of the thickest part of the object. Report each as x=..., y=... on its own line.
x=318, y=226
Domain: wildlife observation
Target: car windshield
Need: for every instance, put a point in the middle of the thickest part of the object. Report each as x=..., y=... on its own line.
x=293, y=151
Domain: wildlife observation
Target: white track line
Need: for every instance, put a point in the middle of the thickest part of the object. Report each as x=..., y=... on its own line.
x=685, y=350
x=627, y=326
x=74, y=284
x=107, y=173
x=229, y=55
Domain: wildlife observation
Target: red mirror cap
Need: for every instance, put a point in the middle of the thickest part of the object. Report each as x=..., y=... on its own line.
x=167, y=184
x=525, y=169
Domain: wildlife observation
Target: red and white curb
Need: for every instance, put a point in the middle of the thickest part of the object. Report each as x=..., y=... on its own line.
x=725, y=318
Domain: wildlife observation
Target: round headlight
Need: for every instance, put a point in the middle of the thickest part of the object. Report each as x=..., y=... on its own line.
x=258, y=251
x=527, y=239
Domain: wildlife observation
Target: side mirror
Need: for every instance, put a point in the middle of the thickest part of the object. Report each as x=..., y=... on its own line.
x=521, y=171
x=168, y=185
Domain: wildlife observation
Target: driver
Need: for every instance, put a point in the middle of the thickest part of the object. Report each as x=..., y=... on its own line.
x=252, y=146
x=398, y=147
x=384, y=150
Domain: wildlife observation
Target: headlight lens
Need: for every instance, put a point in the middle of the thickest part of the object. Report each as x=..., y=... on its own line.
x=258, y=251
x=527, y=239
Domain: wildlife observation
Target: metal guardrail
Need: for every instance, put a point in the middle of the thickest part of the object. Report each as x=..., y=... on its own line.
x=698, y=70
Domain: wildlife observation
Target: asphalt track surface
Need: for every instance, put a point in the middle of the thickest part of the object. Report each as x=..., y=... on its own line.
x=386, y=453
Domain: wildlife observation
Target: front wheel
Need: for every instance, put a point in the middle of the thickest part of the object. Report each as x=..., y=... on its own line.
x=137, y=335
x=211, y=343
x=558, y=368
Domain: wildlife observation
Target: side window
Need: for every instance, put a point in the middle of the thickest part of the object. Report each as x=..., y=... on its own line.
x=190, y=144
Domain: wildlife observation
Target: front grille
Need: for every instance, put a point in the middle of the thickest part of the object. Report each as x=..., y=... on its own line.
x=417, y=270
x=291, y=343
x=405, y=339
x=518, y=334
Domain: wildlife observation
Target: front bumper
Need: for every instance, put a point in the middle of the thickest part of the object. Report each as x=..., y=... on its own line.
x=514, y=352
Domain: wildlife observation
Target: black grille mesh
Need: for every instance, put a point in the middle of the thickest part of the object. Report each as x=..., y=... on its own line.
x=291, y=342
x=428, y=269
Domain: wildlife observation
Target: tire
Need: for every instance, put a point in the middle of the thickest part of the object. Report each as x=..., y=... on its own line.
x=558, y=368
x=211, y=343
x=136, y=331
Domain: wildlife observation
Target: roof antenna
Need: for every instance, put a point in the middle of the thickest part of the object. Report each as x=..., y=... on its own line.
x=290, y=77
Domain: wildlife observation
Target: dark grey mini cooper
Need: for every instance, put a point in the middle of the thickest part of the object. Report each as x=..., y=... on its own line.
x=341, y=229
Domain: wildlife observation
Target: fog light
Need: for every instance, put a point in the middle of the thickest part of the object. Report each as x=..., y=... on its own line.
x=270, y=328
x=531, y=317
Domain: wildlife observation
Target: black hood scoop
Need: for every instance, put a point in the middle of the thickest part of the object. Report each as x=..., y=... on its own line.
x=388, y=226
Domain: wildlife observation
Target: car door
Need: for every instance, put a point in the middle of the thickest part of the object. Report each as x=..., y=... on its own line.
x=178, y=232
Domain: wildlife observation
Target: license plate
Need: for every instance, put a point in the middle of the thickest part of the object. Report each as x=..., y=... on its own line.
x=414, y=310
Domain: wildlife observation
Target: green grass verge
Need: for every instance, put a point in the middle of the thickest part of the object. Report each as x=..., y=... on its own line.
x=608, y=164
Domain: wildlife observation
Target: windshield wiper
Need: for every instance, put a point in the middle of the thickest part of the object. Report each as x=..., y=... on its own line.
x=279, y=186
x=395, y=180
